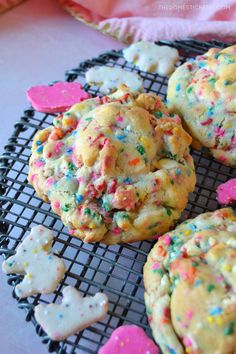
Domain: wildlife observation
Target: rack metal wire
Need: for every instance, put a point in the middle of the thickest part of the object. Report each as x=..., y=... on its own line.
x=116, y=270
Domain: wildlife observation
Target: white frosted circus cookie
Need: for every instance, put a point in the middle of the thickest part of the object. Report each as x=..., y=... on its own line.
x=202, y=91
x=150, y=57
x=109, y=79
x=34, y=258
x=74, y=314
x=190, y=286
x=116, y=169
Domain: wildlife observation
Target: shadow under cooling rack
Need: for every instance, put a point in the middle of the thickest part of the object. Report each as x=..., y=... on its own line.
x=116, y=270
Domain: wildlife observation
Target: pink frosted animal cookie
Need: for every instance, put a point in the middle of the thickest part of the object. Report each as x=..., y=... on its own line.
x=226, y=192
x=56, y=98
x=129, y=339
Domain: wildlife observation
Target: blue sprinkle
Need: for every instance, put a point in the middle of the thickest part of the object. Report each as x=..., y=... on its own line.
x=216, y=56
x=178, y=172
x=192, y=227
x=197, y=282
x=127, y=180
x=121, y=137
x=70, y=150
x=191, y=60
x=38, y=142
x=209, y=135
x=60, y=315
x=215, y=311
x=79, y=198
x=50, y=257
x=40, y=149
x=201, y=64
x=178, y=87
x=210, y=113
x=171, y=350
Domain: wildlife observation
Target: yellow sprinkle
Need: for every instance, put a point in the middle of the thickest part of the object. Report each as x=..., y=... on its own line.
x=227, y=267
x=25, y=264
x=210, y=319
x=144, y=141
x=92, y=225
x=187, y=232
x=188, y=349
x=29, y=275
x=219, y=320
x=35, y=251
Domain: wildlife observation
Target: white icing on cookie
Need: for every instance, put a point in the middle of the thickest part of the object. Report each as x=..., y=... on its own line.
x=111, y=78
x=74, y=314
x=148, y=56
x=34, y=258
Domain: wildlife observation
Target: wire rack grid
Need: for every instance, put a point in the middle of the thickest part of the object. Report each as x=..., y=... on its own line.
x=116, y=270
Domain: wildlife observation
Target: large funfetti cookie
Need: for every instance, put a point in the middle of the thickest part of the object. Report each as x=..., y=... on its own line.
x=74, y=314
x=129, y=339
x=112, y=170
x=150, y=57
x=109, y=79
x=34, y=258
x=203, y=92
x=190, y=286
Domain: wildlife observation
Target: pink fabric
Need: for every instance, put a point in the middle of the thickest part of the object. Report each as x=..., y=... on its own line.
x=133, y=20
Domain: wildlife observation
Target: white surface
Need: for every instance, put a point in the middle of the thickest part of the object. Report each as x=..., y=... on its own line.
x=38, y=43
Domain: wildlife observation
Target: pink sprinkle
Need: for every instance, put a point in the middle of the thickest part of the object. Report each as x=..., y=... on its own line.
x=80, y=179
x=50, y=181
x=167, y=240
x=219, y=278
x=189, y=314
x=71, y=232
x=117, y=230
x=32, y=177
x=58, y=147
x=155, y=266
x=120, y=119
x=187, y=342
x=219, y=131
x=39, y=163
x=57, y=205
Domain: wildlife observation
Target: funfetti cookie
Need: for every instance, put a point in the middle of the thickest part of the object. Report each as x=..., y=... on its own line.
x=190, y=286
x=56, y=98
x=202, y=91
x=110, y=79
x=150, y=57
x=129, y=339
x=34, y=258
x=226, y=192
x=74, y=314
x=116, y=169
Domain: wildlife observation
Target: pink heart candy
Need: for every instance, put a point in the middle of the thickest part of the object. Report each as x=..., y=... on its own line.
x=56, y=98
x=129, y=339
x=226, y=192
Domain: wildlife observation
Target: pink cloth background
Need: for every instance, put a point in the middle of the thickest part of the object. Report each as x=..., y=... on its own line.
x=133, y=20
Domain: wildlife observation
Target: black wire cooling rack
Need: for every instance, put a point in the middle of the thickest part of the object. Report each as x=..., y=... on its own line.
x=116, y=270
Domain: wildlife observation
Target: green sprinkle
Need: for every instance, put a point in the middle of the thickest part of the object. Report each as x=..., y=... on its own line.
x=66, y=207
x=159, y=271
x=210, y=287
x=229, y=329
x=152, y=225
x=106, y=206
x=158, y=114
x=169, y=212
x=71, y=166
x=67, y=114
x=212, y=80
x=87, y=211
x=189, y=89
x=171, y=115
x=141, y=149
x=89, y=119
x=149, y=311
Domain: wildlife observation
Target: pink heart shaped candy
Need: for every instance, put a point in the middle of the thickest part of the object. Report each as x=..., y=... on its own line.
x=56, y=98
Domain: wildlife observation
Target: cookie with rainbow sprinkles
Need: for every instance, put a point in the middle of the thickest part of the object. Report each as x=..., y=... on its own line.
x=202, y=91
x=190, y=286
x=116, y=169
